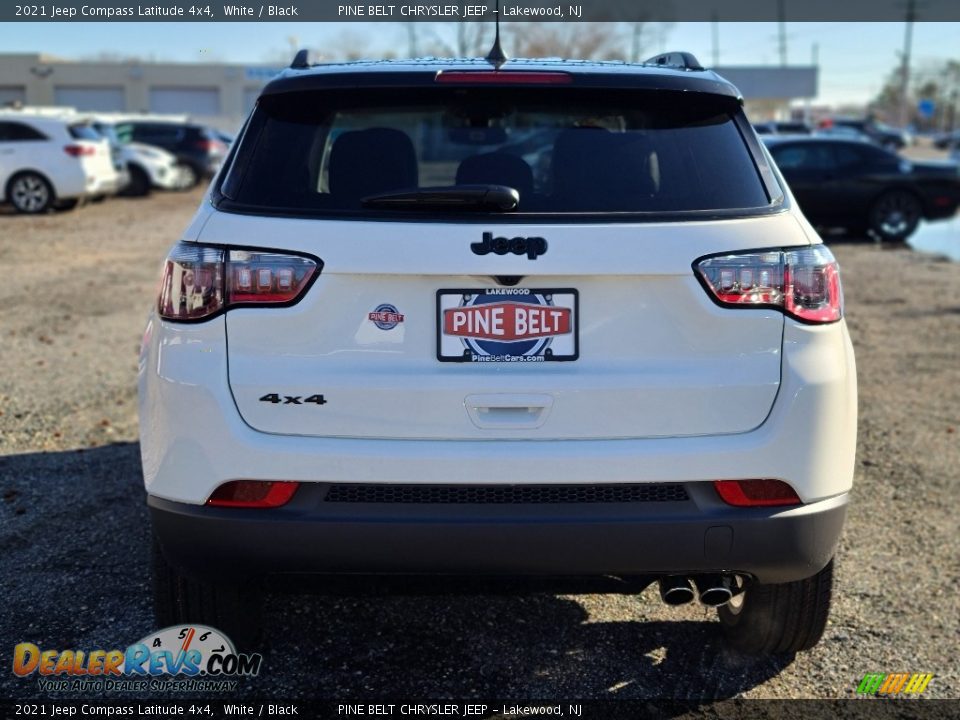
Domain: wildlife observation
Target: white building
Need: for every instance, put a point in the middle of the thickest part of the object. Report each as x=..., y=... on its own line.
x=216, y=93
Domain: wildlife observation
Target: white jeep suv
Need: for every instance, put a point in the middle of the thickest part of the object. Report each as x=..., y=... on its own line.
x=547, y=318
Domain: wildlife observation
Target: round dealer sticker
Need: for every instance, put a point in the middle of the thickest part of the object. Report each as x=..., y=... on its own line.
x=386, y=316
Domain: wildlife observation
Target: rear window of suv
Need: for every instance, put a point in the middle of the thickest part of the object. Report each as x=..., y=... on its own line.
x=565, y=152
x=84, y=131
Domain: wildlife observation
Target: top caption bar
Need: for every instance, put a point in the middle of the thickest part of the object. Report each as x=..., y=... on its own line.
x=483, y=11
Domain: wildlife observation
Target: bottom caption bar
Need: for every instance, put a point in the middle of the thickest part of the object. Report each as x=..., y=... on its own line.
x=850, y=709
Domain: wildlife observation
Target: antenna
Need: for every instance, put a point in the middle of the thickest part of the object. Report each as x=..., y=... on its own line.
x=496, y=56
x=301, y=60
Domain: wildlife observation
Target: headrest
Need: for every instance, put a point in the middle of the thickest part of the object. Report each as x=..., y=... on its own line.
x=369, y=162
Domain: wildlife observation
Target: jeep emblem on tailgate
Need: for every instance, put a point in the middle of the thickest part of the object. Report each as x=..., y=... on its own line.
x=531, y=246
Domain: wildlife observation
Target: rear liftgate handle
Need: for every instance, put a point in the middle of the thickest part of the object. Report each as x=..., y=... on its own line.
x=506, y=412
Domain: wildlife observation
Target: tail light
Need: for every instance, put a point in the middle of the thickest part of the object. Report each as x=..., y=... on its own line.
x=79, y=150
x=208, y=146
x=756, y=493
x=505, y=77
x=803, y=283
x=253, y=494
x=201, y=281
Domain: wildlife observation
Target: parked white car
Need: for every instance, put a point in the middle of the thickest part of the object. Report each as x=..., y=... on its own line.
x=52, y=161
x=147, y=166
x=160, y=167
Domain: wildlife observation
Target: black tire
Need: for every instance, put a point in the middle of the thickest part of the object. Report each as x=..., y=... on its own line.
x=776, y=619
x=30, y=193
x=139, y=184
x=232, y=607
x=895, y=215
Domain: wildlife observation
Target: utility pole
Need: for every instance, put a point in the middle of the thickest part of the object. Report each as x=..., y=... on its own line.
x=412, y=38
x=905, y=69
x=715, y=29
x=953, y=111
x=782, y=16
x=815, y=62
x=635, y=45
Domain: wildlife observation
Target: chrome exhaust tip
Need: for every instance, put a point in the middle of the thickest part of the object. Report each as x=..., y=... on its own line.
x=714, y=590
x=675, y=590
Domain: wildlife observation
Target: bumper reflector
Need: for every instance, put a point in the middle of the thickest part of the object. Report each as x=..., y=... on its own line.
x=756, y=493
x=253, y=494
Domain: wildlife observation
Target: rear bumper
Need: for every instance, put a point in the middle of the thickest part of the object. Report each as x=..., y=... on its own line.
x=312, y=535
x=104, y=184
x=942, y=212
x=193, y=439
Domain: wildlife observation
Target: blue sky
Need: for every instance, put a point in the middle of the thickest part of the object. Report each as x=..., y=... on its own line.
x=855, y=57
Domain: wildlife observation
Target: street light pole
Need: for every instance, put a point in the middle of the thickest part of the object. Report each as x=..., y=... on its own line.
x=715, y=28
x=905, y=69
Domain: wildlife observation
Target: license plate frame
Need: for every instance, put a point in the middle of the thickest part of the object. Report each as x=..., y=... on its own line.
x=547, y=322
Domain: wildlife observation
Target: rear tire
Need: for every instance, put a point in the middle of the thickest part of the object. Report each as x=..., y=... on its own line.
x=30, y=193
x=233, y=608
x=779, y=618
x=139, y=184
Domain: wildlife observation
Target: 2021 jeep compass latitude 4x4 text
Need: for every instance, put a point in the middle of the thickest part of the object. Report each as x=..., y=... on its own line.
x=551, y=319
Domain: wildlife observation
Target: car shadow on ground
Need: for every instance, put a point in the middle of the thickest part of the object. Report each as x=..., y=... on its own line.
x=74, y=536
x=494, y=646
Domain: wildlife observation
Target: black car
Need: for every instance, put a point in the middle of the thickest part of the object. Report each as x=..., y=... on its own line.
x=861, y=187
x=198, y=148
x=883, y=135
x=947, y=140
x=783, y=127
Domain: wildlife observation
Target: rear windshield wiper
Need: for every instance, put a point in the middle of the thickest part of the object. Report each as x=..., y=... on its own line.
x=452, y=197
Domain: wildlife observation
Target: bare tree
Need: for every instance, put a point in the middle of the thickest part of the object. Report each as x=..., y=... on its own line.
x=581, y=41
x=114, y=57
x=586, y=41
x=462, y=39
x=938, y=82
x=350, y=45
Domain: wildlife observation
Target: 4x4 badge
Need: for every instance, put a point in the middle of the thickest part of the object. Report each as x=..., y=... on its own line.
x=529, y=246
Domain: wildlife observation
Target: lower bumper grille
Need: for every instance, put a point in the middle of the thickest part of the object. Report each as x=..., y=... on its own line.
x=505, y=494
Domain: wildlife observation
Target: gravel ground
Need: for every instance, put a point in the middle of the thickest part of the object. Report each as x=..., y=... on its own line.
x=74, y=530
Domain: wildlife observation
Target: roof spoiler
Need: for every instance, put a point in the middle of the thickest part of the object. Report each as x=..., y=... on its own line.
x=678, y=59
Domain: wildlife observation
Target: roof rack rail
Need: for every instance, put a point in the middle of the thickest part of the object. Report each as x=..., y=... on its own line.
x=301, y=60
x=678, y=59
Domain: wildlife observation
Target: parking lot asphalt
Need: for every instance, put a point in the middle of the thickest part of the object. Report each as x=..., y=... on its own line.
x=74, y=530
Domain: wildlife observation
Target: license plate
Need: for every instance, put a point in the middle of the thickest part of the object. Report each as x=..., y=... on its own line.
x=507, y=325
